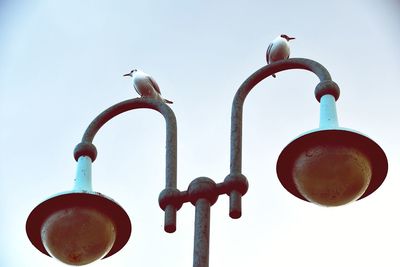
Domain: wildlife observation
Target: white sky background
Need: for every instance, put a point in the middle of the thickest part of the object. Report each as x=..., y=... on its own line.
x=61, y=64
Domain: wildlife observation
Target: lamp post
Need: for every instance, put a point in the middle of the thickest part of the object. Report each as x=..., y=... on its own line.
x=329, y=166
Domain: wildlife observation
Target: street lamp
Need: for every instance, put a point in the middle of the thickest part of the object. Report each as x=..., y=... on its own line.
x=329, y=166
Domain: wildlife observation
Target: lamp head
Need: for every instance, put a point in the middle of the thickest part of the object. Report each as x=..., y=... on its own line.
x=78, y=228
x=78, y=235
x=332, y=167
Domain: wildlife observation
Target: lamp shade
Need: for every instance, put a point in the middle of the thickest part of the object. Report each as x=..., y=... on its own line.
x=78, y=227
x=332, y=167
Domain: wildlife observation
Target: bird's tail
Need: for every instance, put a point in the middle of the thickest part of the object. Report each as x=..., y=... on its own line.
x=168, y=101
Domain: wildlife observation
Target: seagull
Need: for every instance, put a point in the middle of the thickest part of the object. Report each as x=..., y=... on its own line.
x=145, y=85
x=278, y=49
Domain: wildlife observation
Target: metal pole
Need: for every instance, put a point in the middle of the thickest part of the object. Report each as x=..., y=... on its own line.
x=201, y=233
x=328, y=114
x=83, y=178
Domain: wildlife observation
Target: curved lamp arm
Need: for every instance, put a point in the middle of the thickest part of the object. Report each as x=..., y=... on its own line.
x=86, y=148
x=326, y=86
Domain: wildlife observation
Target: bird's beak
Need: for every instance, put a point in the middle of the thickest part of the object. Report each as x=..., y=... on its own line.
x=291, y=38
x=128, y=74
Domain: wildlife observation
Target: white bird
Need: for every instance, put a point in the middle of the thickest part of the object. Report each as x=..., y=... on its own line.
x=278, y=49
x=145, y=85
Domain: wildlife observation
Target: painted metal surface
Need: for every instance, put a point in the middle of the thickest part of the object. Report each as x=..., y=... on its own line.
x=328, y=116
x=248, y=85
x=237, y=110
x=171, y=144
x=83, y=178
x=201, y=233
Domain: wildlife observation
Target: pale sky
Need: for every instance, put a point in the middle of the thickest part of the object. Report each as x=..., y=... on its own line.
x=61, y=64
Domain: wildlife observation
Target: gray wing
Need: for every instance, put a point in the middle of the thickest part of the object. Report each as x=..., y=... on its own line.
x=268, y=52
x=154, y=84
